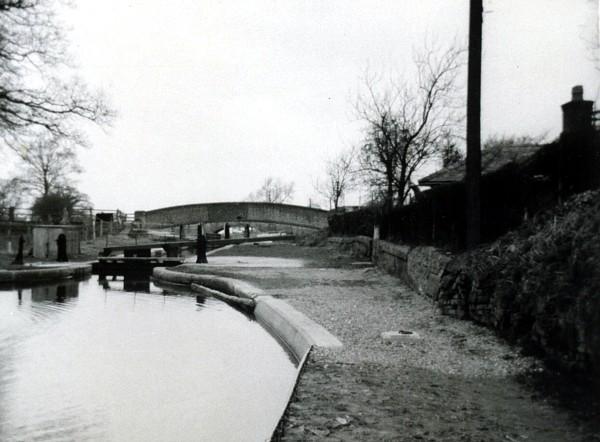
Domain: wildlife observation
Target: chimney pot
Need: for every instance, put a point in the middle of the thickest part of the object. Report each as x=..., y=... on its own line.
x=577, y=113
x=577, y=93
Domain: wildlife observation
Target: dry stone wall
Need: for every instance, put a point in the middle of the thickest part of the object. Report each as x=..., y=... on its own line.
x=540, y=290
x=358, y=246
x=538, y=286
x=391, y=257
x=421, y=267
x=425, y=267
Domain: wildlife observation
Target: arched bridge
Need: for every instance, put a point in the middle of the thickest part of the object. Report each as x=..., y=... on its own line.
x=244, y=212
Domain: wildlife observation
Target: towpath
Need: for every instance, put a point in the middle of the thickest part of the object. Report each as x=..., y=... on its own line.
x=454, y=382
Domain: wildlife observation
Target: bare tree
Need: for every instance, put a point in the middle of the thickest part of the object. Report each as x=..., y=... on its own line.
x=47, y=164
x=38, y=90
x=407, y=124
x=339, y=178
x=273, y=190
x=11, y=193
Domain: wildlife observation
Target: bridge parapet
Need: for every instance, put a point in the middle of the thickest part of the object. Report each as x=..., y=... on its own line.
x=248, y=212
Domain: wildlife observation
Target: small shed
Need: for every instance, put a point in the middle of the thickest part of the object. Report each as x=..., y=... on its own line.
x=492, y=160
x=45, y=236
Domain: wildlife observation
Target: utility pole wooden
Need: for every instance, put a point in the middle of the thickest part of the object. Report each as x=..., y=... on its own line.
x=473, y=161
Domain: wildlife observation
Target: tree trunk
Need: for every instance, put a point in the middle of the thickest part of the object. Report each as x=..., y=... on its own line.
x=389, y=195
x=46, y=185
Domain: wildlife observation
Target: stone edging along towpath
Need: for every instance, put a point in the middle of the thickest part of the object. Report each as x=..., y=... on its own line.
x=34, y=274
x=298, y=332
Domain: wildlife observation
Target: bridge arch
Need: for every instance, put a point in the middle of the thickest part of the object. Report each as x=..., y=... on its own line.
x=244, y=212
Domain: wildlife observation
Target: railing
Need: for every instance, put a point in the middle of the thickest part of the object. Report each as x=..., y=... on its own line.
x=15, y=214
x=116, y=213
x=79, y=214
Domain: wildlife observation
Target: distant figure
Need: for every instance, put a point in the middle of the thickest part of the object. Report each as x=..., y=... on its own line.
x=227, y=232
x=19, y=258
x=201, y=247
x=247, y=231
x=61, y=245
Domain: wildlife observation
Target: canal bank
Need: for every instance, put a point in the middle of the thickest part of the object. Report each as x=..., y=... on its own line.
x=44, y=272
x=294, y=330
x=449, y=380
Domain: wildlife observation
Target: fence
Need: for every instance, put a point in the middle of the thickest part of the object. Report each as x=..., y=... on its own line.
x=93, y=222
x=508, y=196
x=357, y=222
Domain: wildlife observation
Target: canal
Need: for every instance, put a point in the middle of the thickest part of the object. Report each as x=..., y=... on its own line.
x=86, y=360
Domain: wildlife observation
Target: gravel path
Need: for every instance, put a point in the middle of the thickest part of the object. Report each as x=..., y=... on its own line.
x=455, y=382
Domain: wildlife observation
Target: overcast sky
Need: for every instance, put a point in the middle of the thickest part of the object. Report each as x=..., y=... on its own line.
x=213, y=96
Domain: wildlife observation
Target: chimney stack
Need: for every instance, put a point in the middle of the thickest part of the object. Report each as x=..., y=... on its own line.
x=577, y=113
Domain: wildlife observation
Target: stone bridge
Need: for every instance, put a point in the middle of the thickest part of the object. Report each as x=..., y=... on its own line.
x=242, y=212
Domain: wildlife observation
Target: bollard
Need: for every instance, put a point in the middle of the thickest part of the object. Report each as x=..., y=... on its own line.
x=201, y=246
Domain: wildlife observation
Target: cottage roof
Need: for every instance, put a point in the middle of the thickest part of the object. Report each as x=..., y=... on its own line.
x=492, y=160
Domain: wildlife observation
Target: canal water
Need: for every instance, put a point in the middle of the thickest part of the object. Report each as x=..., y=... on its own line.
x=84, y=361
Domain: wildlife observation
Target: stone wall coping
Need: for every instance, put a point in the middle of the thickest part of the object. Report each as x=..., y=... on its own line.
x=242, y=302
x=229, y=286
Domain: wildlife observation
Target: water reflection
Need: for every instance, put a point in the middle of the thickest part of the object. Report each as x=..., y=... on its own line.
x=92, y=361
x=55, y=293
x=136, y=285
x=129, y=283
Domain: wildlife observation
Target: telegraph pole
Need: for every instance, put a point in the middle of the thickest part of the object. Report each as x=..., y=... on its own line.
x=473, y=161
